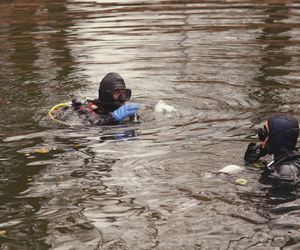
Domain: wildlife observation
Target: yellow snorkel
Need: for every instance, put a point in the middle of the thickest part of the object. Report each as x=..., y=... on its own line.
x=53, y=112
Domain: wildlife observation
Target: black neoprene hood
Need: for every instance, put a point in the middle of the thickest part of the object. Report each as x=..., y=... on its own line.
x=283, y=133
x=107, y=85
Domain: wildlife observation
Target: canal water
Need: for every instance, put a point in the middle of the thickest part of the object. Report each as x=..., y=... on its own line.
x=225, y=66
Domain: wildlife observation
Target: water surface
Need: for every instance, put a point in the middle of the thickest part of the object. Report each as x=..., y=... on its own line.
x=225, y=66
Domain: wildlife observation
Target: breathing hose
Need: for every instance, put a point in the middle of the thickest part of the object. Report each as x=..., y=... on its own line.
x=56, y=108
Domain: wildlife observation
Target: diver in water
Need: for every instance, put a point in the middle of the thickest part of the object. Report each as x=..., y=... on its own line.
x=278, y=137
x=111, y=107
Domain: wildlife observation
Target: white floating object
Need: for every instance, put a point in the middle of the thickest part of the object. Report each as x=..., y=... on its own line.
x=231, y=169
x=162, y=108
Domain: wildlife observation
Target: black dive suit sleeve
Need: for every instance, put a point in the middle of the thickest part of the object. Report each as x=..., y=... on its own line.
x=106, y=120
x=110, y=120
x=99, y=120
x=92, y=118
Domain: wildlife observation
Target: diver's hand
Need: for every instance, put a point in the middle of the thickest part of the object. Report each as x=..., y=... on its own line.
x=126, y=110
x=254, y=152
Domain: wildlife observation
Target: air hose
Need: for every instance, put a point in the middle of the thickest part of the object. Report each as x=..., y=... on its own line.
x=55, y=109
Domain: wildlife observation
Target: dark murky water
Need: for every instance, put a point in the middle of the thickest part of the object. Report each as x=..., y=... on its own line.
x=224, y=65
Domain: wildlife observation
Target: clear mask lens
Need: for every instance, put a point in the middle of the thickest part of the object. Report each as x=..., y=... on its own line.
x=121, y=95
x=262, y=134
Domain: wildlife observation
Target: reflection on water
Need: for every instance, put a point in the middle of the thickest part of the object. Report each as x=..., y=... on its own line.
x=224, y=66
x=275, y=38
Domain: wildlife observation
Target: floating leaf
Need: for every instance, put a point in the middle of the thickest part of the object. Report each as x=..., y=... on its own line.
x=241, y=181
x=41, y=151
x=257, y=165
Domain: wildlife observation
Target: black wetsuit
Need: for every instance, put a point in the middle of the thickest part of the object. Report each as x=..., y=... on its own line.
x=92, y=113
x=99, y=111
x=279, y=138
x=283, y=170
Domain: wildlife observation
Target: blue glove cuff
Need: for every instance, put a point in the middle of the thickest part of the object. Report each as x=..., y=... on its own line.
x=126, y=110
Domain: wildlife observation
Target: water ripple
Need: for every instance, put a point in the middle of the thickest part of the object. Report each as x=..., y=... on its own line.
x=224, y=67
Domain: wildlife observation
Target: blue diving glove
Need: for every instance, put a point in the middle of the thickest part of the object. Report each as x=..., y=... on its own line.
x=128, y=109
